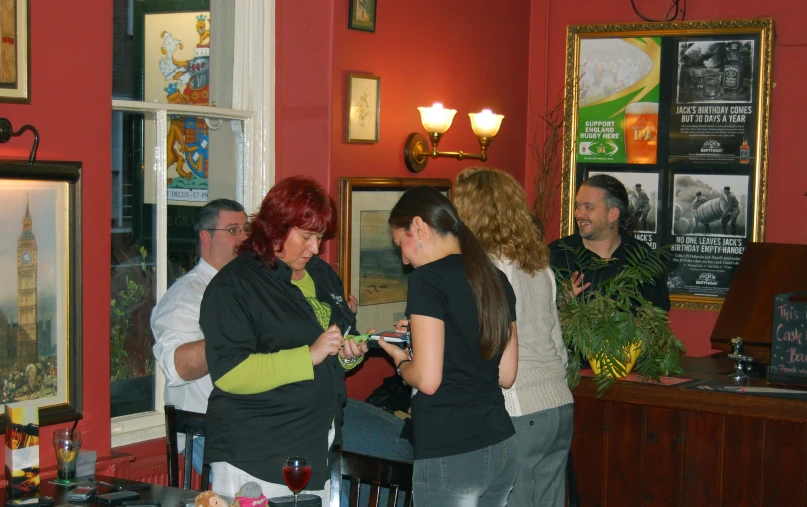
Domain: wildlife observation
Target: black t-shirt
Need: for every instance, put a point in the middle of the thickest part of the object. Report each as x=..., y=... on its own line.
x=564, y=261
x=467, y=412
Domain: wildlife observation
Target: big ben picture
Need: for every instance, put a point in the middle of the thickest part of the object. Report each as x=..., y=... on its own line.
x=36, y=307
x=26, y=291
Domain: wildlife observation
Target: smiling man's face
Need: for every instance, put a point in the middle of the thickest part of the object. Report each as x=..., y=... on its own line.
x=592, y=215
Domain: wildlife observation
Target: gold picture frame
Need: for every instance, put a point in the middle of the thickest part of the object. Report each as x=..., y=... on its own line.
x=363, y=108
x=41, y=361
x=364, y=206
x=702, y=95
x=15, y=56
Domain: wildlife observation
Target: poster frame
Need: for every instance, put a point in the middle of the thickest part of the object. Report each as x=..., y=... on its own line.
x=761, y=31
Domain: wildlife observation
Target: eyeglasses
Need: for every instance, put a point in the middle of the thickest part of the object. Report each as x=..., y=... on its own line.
x=234, y=231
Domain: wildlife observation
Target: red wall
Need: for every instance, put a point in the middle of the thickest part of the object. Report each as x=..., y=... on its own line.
x=467, y=54
x=787, y=179
x=71, y=76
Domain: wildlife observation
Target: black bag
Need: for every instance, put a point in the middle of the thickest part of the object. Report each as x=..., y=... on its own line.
x=391, y=395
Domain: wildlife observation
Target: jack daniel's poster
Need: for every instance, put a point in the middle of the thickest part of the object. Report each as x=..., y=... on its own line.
x=712, y=117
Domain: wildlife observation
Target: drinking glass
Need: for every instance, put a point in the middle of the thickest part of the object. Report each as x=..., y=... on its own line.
x=296, y=472
x=67, y=444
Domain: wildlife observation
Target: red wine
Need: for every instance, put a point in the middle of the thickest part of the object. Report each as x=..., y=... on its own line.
x=296, y=477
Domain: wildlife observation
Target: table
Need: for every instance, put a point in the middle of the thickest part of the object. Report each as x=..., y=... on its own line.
x=166, y=495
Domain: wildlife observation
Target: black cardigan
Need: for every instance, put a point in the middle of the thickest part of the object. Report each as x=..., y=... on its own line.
x=257, y=432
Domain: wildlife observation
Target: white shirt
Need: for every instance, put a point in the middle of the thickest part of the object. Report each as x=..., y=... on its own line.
x=174, y=322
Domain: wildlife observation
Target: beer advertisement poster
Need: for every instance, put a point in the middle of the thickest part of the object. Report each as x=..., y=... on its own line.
x=619, y=93
x=712, y=112
x=710, y=223
x=678, y=113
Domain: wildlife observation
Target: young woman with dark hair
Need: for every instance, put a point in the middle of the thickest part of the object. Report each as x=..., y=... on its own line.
x=494, y=206
x=464, y=346
x=273, y=320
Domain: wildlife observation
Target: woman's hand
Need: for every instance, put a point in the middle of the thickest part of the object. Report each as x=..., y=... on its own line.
x=396, y=353
x=353, y=303
x=329, y=343
x=351, y=349
x=402, y=325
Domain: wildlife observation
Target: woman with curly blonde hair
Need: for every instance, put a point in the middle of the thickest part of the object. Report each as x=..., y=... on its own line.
x=493, y=205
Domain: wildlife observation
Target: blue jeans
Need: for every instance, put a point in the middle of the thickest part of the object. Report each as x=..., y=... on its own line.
x=544, y=439
x=477, y=478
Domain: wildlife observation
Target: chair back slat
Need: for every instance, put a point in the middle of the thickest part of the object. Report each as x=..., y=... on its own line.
x=191, y=424
x=392, y=500
x=372, y=471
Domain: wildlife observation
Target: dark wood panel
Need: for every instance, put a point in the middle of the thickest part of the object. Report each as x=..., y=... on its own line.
x=783, y=466
x=623, y=472
x=703, y=437
x=663, y=458
x=589, y=447
x=742, y=462
x=680, y=397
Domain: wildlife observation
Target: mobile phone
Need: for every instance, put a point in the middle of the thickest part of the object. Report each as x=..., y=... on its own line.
x=81, y=493
x=118, y=497
x=141, y=503
x=399, y=338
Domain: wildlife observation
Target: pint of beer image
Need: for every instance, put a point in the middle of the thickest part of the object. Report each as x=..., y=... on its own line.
x=641, y=132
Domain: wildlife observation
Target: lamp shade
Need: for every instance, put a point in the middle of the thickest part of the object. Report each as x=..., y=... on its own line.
x=435, y=118
x=486, y=124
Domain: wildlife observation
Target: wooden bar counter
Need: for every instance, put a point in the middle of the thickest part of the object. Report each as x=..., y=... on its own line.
x=652, y=445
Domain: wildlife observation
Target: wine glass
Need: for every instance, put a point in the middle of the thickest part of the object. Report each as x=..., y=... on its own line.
x=296, y=472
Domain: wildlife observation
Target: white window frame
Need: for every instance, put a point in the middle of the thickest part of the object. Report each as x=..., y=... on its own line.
x=253, y=100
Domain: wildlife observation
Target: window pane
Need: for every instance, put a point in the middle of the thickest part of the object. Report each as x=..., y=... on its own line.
x=133, y=273
x=204, y=163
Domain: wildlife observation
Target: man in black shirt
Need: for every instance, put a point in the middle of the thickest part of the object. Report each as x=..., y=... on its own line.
x=604, y=225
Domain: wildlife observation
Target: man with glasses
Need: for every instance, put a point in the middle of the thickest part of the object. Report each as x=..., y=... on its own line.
x=221, y=225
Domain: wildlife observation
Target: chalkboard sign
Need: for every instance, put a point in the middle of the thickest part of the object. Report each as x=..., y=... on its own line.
x=788, y=336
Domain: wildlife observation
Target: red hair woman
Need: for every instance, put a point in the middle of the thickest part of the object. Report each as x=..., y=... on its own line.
x=273, y=320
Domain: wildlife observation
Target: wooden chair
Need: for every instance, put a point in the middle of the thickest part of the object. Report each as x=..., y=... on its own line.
x=191, y=424
x=377, y=472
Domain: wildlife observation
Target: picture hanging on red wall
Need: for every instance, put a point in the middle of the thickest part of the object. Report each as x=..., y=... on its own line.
x=15, y=68
x=679, y=113
x=362, y=15
x=40, y=297
x=363, y=108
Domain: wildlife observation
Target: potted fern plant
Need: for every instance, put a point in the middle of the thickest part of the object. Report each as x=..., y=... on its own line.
x=613, y=324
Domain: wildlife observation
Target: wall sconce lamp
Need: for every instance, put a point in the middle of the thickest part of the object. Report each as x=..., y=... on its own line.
x=437, y=121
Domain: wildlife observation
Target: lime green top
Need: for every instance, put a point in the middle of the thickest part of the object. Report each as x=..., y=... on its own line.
x=263, y=372
x=321, y=310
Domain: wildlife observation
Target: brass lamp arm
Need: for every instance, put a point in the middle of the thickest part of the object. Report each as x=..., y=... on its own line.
x=417, y=154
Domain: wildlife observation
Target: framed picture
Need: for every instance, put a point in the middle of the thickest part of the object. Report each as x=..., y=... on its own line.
x=364, y=108
x=369, y=263
x=679, y=113
x=15, y=58
x=40, y=301
x=362, y=15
